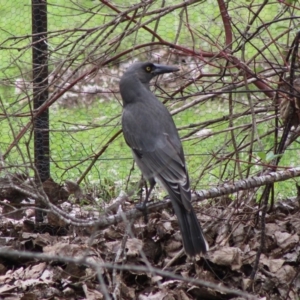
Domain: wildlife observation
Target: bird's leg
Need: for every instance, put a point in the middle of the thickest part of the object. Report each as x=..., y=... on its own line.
x=141, y=185
x=143, y=206
x=148, y=191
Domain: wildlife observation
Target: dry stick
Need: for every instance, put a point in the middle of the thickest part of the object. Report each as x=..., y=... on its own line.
x=49, y=103
x=159, y=11
x=97, y=155
x=174, y=258
x=221, y=91
x=157, y=21
x=254, y=131
x=260, y=84
x=179, y=28
x=115, y=282
x=200, y=54
x=102, y=282
x=59, y=94
x=188, y=26
x=241, y=66
x=222, y=54
x=265, y=198
x=264, y=26
x=11, y=128
x=226, y=157
x=145, y=269
x=245, y=33
x=267, y=45
x=227, y=24
x=231, y=128
x=225, y=227
x=124, y=33
x=292, y=137
x=233, y=139
x=252, y=182
x=280, y=150
x=52, y=101
x=256, y=14
x=104, y=222
x=294, y=50
x=94, y=69
x=40, y=111
x=158, y=15
x=205, y=124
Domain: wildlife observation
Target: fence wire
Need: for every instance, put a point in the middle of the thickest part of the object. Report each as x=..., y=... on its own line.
x=229, y=99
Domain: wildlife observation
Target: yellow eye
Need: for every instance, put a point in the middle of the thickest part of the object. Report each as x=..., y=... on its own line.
x=148, y=69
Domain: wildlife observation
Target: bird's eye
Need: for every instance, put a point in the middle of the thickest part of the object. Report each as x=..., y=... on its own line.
x=148, y=69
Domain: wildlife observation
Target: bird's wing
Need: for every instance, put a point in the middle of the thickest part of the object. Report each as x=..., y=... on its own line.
x=159, y=156
x=165, y=160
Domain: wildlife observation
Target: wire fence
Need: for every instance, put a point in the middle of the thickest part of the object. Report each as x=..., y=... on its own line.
x=234, y=100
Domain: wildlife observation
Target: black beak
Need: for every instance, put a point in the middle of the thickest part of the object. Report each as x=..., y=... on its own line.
x=161, y=69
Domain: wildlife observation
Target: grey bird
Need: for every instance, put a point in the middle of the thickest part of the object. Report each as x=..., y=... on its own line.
x=150, y=132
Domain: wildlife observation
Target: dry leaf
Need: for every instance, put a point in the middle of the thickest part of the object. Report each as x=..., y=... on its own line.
x=227, y=256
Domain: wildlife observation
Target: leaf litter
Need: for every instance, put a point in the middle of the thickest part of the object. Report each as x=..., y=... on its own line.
x=231, y=230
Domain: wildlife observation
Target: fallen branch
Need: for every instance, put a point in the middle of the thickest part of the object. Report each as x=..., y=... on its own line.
x=155, y=271
x=106, y=221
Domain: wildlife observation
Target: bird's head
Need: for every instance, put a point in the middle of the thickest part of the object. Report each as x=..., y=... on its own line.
x=145, y=71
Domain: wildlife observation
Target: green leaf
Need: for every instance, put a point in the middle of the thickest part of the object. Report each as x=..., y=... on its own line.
x=262, y=155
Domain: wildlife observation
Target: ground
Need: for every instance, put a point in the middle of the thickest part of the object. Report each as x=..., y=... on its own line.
x=84, y=262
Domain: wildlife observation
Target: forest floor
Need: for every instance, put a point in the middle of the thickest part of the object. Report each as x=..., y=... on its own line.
x=136, y=260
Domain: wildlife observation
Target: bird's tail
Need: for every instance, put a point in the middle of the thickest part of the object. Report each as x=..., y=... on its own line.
x=193, y=238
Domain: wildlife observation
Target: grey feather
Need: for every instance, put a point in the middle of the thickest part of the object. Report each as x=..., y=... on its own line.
x=150, y=132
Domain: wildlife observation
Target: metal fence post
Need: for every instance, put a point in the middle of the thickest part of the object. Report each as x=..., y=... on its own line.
x=40, y=92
